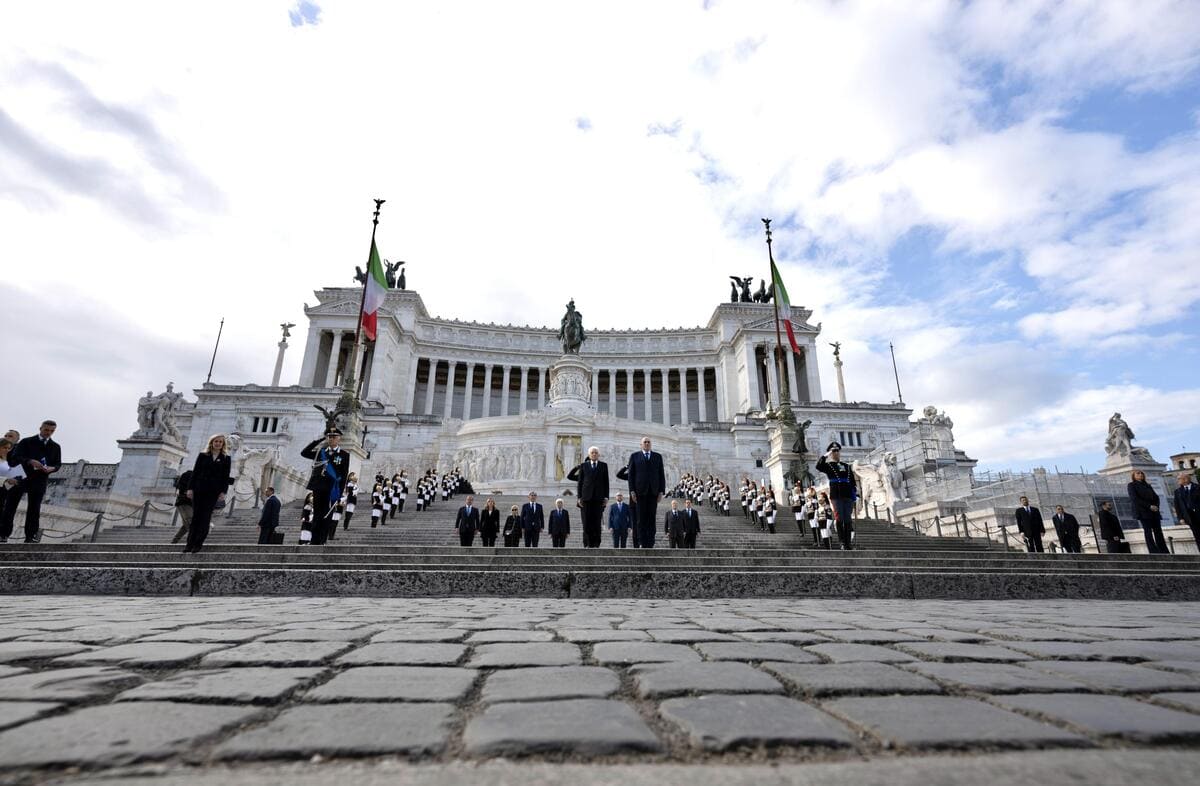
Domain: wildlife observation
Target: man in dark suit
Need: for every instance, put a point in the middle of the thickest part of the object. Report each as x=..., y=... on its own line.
x=623, y=476
x=1111, y=531
x=591, y=493
x=1187, y=504
x=673, y=526
x=560, y=525
x=269, y=519
x=647, y=482
x=40, y=457
x=619, y=521
x=691, y=525
x=533, y=520
x=1066, y=526
x=467, y=522
x=1029, y=521
x=331, y=465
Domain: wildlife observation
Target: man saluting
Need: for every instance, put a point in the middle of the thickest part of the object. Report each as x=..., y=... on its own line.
x=331, y=465
x=842, y=491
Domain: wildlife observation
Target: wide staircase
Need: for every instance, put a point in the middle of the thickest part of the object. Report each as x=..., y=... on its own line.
x=419, y=553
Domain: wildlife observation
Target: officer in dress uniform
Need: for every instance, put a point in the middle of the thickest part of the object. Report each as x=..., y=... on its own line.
x=331, y=466
x=842, y=491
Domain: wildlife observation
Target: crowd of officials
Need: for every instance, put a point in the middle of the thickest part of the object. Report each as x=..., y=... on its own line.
x=334, y=495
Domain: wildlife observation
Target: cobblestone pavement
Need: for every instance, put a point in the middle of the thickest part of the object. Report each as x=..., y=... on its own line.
x=223, y=690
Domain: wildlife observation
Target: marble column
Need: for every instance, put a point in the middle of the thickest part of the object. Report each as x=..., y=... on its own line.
x=683, y=396
x=469, y=391
x=722, y=409
x=412, y=386
x=542, y=371
x=524, y=390
x=649, y=395
x=504, y=390
x=487, y=391
x=334, y=356
x=811, y=372
x=666, y=396
x=595, y=389
x=308, y=366
x=429, y=387
x=451, y=371
x=612, y=391
x=791, y=372
x=700, y=372
x=753, y=393
x=775, y=390
x=629, y=393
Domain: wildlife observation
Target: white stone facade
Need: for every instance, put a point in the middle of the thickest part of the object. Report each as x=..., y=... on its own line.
x=503, y=403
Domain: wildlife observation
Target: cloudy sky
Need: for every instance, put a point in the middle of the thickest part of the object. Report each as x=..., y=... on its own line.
x=1008, y=191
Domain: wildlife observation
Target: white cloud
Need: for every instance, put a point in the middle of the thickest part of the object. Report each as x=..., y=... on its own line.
x=224, y=166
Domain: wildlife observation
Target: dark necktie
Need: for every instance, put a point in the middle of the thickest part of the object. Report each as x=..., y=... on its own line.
x=647, y=455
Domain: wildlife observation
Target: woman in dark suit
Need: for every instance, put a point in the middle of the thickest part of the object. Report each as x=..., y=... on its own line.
x=489, y=522
x=1146, y=511
x=210, y=480
x=512, y=528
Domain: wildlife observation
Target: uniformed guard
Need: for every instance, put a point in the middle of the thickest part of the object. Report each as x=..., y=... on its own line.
x=331, y=466
x=842, y=491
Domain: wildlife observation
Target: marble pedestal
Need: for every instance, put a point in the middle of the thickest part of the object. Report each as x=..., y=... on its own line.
x=143, y=462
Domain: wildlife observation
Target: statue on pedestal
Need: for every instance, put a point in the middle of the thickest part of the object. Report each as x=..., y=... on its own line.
x=742, y=284
x=571, y=331
x=799, y=445
x=156, y=415
x=1120, y=440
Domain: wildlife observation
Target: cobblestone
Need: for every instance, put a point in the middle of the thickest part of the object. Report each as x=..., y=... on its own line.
x=1110, y=715
x=555, y=682
x=755, y=651
x=445, y=679
x=996, y=677
x=721, y=722
x=618, y=652
x=67, y=685
x=840, y=678
x=251, y=685
x=594, y=726
x=672, y=679
x=396, y=683
x=276, y=653
x=346, y=729
x=1121, y=677
x=405, y=654
x=945, y=721
x=541, y=654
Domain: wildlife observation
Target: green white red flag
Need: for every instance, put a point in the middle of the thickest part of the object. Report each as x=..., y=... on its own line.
x=783, y=311
x=376, y=287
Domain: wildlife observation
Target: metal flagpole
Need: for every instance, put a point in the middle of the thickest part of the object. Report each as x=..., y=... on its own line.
x=214, y=356
x=351, y=385
x=780, y=361
x=896, y=373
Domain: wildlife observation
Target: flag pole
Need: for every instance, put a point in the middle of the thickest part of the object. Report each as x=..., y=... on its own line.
x=213, y=362
x=349, y=384
x=784, y=401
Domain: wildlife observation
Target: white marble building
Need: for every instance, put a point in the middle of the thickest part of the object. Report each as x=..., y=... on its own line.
x=441, y=392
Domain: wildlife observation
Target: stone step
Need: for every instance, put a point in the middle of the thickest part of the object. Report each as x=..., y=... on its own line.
x=706, y=583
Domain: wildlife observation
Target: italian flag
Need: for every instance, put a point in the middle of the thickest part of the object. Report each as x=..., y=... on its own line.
x=376, y=290
x=783, y=311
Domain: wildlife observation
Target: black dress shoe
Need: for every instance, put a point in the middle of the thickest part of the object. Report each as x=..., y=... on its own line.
x=187, y=550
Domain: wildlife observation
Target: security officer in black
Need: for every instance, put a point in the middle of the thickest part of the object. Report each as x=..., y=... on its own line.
x=331, y=465
x=842, y=491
